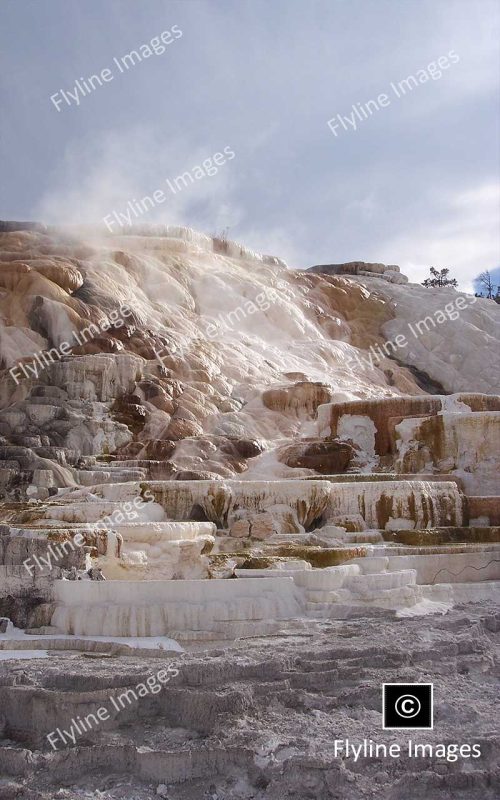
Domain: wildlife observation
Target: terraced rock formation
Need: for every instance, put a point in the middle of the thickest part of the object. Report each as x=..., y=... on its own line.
x=244, y=450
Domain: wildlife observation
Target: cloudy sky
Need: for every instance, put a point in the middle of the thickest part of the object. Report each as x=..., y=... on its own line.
x=416, y=184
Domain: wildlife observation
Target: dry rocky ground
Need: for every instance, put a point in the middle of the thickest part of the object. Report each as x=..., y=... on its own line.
x=258, y=719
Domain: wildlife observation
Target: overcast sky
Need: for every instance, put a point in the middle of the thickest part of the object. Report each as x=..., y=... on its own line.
x=416, y=184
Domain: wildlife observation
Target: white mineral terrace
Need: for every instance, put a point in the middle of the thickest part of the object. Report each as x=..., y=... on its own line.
x=228, y=482
x=149, y=608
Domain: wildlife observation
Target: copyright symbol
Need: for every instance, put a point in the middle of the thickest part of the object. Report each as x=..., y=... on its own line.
x=407, y=706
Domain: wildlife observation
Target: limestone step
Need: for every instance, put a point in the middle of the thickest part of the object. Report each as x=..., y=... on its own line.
x=116, y=466
x=444, y=535
x=389, y=504
x=145, y=463
x=130, y=531
x=382, y=411
x=326, y=579
x=218, y=500
x=381, y=503
x=62, y=455
x=363, y=537
x=321, y=596
x=26, y=440
x=114, y=475
x=467, y=567
x=365, y=585
x=88, y=512
x=155, y=470
x=371, y=477
x=164, y=531
x=457, y=593
x=385, y=549
x=396, y=598
x=155, y=607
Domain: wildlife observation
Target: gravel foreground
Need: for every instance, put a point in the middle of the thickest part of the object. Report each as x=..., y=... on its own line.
x=259, y=719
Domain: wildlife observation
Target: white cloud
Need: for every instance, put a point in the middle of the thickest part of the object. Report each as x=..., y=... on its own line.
x=467, y=242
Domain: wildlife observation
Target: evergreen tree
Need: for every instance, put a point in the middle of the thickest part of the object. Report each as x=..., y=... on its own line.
x=439, y=278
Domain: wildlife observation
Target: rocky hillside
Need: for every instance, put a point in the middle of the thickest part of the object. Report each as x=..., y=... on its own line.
x=205, y=359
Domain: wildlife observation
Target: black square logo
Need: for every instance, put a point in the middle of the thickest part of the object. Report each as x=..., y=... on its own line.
x=406, y=706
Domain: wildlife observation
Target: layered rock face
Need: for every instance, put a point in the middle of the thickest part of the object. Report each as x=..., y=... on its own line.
x=389, y=272
x=253, y=457
x=198, y=411
x=157, y=348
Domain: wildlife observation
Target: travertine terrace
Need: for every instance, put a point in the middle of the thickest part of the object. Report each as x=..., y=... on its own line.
x=211, y=429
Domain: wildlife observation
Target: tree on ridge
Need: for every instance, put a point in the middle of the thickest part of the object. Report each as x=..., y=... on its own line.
x=439, y=278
